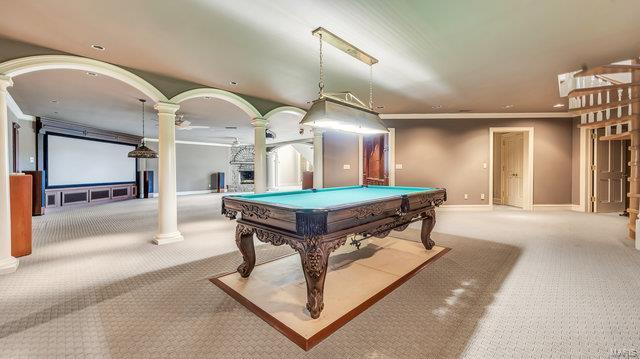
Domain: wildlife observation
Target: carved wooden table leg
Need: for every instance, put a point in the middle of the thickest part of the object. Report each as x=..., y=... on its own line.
x=314, y=266
x=244, y=241
x=427, y=226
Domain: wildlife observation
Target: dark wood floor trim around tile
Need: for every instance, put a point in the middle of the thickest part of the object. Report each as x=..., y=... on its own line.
x=303, y=342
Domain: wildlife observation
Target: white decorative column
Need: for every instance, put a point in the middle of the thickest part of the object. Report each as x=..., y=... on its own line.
x=260, y=157
x=168, y=199
x=272, y=169
x=8, y=264
x=317, y=158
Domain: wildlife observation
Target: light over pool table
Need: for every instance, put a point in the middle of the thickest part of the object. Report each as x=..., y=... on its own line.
x=316, y=222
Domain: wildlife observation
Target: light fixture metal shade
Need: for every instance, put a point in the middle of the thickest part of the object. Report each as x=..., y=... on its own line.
x=332, y=114
x=142, y=151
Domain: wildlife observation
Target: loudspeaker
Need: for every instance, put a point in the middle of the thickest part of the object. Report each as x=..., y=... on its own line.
x=21, y=187
x=147, y=183
x=217, y=181
x=37, y=192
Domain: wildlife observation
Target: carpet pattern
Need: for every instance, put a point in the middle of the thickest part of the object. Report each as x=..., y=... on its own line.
x=515, y=284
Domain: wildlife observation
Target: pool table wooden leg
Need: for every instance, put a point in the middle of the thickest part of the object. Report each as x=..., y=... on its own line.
x=428, y=223
x=244, y=241
x=314, y=266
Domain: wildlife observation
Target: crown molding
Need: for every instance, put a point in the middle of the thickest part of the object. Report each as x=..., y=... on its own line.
x=489, y=115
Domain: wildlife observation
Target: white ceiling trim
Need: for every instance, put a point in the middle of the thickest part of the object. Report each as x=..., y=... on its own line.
x=214, y=144
x=15, y=109
x=285, y=109
x=490, y=115
x=230, y=97
x=29, y=64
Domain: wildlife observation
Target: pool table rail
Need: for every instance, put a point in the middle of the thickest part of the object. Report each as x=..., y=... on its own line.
x=303, y=221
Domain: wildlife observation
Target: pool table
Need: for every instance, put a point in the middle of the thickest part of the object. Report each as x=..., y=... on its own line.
x=316, y=222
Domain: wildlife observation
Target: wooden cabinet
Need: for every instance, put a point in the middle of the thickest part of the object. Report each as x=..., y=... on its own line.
x=21, y=205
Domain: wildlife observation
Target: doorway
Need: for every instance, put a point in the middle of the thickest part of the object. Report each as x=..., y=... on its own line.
x=609, y=172
x=375, y=160
x=511, y=167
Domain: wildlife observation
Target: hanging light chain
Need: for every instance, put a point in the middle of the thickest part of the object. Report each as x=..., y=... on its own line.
x=321, y=82
x=370, y=87
x=142, y=101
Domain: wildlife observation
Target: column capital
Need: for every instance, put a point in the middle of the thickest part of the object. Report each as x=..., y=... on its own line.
x=259, y=122
x=166, y=107
x=5, y=81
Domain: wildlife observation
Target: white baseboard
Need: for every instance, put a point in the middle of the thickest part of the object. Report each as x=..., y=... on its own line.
x=184, y=193
x=497, y=200
x=577, y=208
x=465, y=207
x=553, y=207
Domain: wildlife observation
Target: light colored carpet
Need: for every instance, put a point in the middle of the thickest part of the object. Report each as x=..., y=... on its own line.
x=515, y=284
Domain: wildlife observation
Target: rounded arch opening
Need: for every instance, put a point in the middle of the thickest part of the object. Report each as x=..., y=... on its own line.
x=16, y=67
x=230, y=97
x=285, y=109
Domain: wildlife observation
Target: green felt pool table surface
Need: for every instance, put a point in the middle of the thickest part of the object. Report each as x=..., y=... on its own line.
x=331, y=197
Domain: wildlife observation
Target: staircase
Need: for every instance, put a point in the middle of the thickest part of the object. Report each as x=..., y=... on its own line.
x=608, y=97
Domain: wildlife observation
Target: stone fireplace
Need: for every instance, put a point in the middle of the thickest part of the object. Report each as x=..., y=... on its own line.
x=241, y=162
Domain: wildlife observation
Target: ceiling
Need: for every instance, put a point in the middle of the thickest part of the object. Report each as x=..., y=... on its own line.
x=102, y=102
x=461, y=55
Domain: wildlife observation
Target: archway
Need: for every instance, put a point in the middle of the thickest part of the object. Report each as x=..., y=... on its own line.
x=16, y=67
x=206, y=92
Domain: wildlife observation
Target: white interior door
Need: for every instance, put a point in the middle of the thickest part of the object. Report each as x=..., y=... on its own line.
x=609, y=179
x=512, y=164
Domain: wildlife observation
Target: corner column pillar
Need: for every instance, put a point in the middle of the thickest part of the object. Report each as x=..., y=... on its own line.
x=8, y=264
x=167, y=188
x=318, y=158
x=260, y=157
x=272, y=169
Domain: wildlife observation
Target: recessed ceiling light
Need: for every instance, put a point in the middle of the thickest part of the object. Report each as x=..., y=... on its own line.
x=54, y=101
x=231, y=127
x=233, y=83
x=55, y=112
x=380, y=107
x=207, y=97
x=91, y=73
x=435, y=107
x=98, y=47
x=558, y=105
x=506, y=107
x=464, y=110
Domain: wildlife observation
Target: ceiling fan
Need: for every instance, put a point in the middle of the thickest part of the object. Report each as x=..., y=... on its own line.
x=182, y=124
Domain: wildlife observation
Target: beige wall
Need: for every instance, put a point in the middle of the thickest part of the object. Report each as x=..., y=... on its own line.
x=340, y=149
x=450, y=153
x=194, y=166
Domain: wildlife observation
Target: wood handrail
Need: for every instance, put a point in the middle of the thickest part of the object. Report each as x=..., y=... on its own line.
x=599, y=89
x=604, y=106
x=608, y=122
x=607, y=69
x=616, y=137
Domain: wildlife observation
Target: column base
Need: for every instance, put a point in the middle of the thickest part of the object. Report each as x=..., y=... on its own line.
x=166, y=238
x=8, y=265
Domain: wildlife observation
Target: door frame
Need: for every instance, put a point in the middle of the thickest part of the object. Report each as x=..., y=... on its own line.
x=584, y=169
x=527, y=183
x=392, y=158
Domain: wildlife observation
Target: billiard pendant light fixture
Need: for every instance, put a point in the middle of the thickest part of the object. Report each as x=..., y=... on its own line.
x=142, y=151
x=343, y=111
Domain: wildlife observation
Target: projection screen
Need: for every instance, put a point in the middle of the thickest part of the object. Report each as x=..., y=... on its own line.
x=74, y=161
